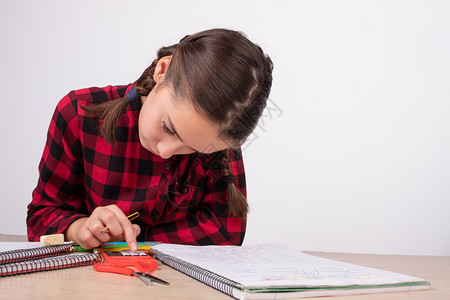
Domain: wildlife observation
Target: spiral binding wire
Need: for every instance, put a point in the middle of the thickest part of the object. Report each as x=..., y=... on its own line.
x=35, y=253
x=48, y=263
x=210, y=278
x=43, y=258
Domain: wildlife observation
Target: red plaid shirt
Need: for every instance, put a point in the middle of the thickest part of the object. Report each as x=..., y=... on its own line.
x=181, y=199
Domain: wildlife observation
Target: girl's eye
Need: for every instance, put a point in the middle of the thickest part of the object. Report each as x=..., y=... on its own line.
x=166, y=129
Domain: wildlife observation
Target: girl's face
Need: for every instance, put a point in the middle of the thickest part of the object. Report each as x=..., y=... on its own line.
x=169, y=126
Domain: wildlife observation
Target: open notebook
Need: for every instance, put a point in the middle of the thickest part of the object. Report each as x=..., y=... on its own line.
x=277, y=272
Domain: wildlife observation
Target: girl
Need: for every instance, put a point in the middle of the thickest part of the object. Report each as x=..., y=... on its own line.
x=166, y=146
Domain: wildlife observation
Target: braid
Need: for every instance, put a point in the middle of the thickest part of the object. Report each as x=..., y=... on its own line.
x=146, y=83
x=237, y=203
x=110, y=112
x=228, y=80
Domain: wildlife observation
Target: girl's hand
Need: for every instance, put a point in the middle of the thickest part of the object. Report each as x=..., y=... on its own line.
x=89, y=233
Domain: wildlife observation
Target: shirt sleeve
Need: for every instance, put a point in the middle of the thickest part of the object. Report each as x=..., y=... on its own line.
x=56, y=200
x=211, y=224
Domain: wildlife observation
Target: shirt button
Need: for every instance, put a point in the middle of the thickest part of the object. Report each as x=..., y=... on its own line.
x=168, y=165
x=162, y=197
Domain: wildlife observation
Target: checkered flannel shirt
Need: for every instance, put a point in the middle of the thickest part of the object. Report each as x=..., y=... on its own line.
x=181, y=199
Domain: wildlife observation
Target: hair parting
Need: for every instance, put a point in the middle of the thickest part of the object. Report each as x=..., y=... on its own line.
x=225, y=76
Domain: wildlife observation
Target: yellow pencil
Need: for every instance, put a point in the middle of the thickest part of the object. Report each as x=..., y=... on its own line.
x=130, y=217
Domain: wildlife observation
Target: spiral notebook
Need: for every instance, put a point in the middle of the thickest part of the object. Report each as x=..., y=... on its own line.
x=19, y=258
x=277, y=272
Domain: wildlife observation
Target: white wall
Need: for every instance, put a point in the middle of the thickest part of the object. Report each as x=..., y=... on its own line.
x=353, y=153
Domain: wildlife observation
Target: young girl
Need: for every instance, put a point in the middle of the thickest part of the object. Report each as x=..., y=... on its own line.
x=166, y=146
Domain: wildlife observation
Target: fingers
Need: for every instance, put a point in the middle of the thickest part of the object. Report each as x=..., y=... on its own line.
x=80, y=232
x=137, y=229
x=109, y=224
x=90, y=233
x=128, y=230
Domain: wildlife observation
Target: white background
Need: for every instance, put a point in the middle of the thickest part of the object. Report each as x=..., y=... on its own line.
x=353, y=155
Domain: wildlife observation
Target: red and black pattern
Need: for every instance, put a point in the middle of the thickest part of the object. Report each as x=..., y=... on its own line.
x=181, y=199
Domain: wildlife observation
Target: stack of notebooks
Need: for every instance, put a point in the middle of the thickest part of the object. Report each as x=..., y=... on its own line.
x=19, y=258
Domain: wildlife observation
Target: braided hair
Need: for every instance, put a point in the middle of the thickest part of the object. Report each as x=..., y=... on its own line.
x=228, y=80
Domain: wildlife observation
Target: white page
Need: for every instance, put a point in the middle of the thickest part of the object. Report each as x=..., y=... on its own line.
x=258, y=266
x=7, y=246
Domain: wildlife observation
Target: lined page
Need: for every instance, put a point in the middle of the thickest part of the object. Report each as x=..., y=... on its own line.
x=267, y=266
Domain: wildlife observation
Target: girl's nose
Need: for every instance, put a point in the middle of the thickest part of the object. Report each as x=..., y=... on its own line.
x=167, y=149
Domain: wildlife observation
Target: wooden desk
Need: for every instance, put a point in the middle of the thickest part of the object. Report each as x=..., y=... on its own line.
x=85, y=283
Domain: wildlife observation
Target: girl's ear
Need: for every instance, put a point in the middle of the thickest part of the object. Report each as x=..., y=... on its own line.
x=161, y=68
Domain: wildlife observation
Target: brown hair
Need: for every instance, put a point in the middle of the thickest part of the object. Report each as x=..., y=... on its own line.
x=228, y=79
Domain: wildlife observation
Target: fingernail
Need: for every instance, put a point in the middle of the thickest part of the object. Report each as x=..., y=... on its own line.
x=133, y=246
